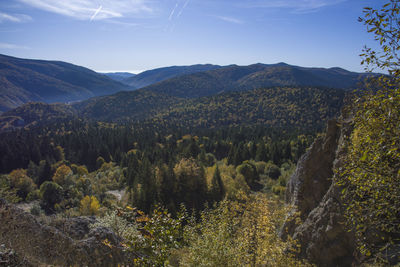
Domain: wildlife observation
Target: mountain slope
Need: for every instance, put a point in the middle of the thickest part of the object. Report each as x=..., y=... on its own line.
x=157, y=75
x=304, y=107
x=278, y=106
x=33, y=113
x=24, y=80
x=242, y=78
x=125, y=106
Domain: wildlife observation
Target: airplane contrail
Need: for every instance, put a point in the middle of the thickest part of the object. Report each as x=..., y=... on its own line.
x=173, y=12
x=184, y=6
x=96, y=12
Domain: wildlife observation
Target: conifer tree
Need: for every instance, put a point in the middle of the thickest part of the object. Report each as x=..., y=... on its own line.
x=217, y=190
x=261, y=154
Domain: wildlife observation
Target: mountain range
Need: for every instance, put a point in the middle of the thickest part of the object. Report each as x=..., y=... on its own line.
x=243, y=78
x=201, y=95
x=25, y=80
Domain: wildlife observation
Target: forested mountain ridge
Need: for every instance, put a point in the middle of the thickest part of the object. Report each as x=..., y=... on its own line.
x=160, y=74
x=275, y=107
x=124, y=106
x=33, y=113
x=242, y=78
x=25, y=80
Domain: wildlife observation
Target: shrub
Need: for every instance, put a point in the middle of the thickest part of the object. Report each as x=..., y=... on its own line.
x=273, y=171
x=89, y=205
x=51, y=194
x=238, y=233
x=36, y=210
x=21, y=182
x=62, y=175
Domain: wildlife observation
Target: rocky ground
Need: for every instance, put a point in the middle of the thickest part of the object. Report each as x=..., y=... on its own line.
x=60, y=242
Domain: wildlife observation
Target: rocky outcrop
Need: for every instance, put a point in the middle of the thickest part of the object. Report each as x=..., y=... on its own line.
x=69, y=243
x=8, y=257
x=77, y=228
x=315, y=200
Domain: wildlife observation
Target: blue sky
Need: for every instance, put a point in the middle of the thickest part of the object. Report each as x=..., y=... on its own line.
x=133, y=35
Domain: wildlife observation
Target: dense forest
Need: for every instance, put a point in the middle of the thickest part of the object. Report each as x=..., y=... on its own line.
x=282, y=107
x=75, y=168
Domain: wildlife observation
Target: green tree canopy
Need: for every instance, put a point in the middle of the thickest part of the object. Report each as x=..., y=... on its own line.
x=51, y=194
x=370, y=174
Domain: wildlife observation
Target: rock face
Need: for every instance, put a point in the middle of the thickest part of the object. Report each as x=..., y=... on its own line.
x=67, y=243
x=315, y=200
x=8, y=257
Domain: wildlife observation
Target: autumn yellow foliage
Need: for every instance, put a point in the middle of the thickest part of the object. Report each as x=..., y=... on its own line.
x=239, y=233
x=61, y=174
x=89, y=206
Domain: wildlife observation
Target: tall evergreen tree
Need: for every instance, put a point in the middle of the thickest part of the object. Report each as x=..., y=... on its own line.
x=217, y=190
x=261, y=154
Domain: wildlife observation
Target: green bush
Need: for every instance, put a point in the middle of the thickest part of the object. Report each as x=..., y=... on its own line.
x=273, y=171
x=33, y=195
x=51, y=194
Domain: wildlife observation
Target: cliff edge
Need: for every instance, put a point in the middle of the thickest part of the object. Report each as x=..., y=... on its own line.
x=315, y=220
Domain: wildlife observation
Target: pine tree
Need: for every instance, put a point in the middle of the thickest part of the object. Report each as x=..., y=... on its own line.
x=253, y=150
x=132, y=163
x=231, y=155
x=217, y=190
x=261, y=154
x=33, y=171
x=45, y=172
x=245, y=152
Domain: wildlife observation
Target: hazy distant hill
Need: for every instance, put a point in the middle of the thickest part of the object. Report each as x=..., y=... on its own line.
x=24, y=80
x=119, y=76
x=242, y=78
x=157, y=75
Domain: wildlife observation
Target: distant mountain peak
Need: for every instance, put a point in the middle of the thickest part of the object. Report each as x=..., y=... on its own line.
x=282, y=64
x=154, y=76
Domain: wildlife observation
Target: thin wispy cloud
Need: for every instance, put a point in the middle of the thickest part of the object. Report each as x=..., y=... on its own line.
x=229, y=19
x=18, y=18
x=13, y=46
x=296, y=6
x=88, y=9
